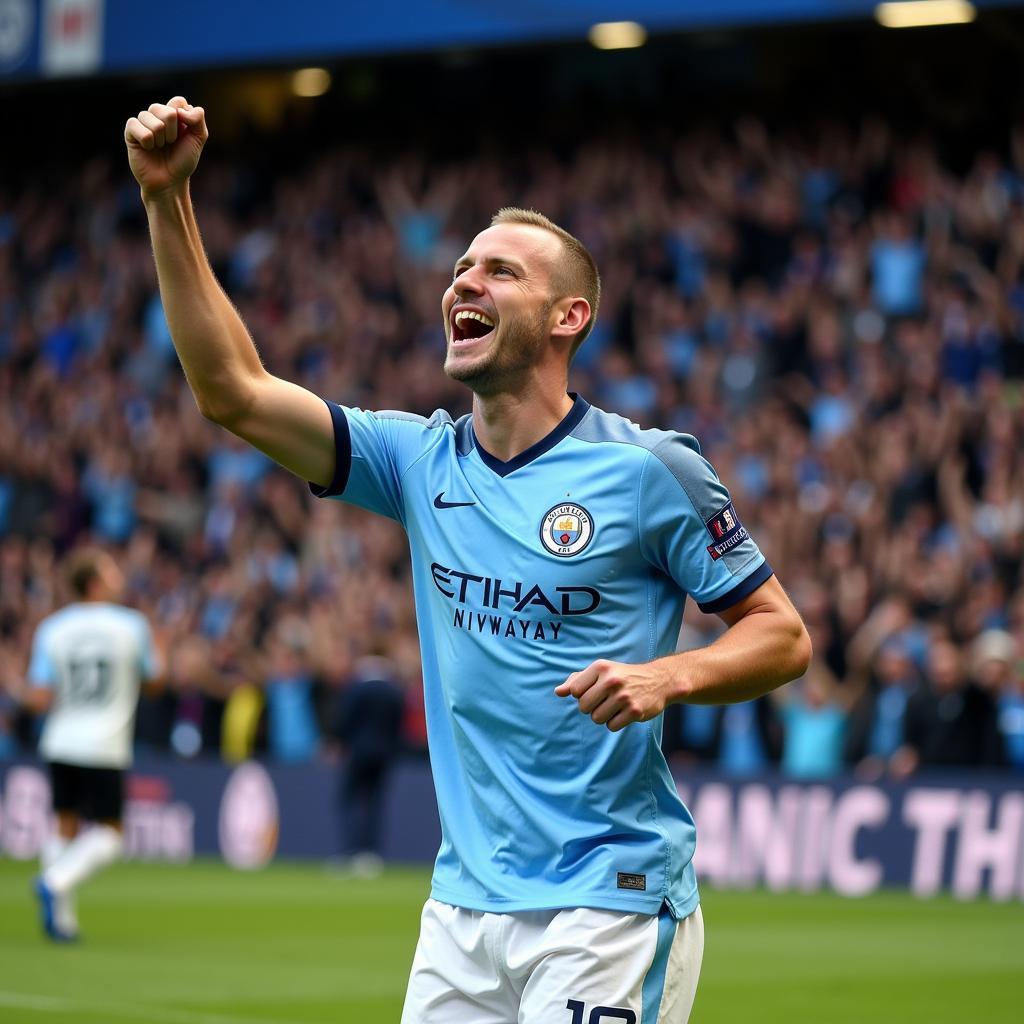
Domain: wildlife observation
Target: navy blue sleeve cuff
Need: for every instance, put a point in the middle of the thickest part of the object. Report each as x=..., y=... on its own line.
x=740, y=591
x=342, y=454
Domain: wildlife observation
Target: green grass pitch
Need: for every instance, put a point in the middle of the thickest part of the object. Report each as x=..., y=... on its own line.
x=298, y=945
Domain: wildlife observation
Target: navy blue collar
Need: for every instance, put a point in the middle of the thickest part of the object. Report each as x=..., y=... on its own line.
x=545, y=444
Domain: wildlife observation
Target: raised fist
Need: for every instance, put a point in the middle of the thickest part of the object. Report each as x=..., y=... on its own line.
x=164, y=143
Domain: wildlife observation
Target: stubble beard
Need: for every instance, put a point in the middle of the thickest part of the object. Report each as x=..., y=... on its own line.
x=512, y=353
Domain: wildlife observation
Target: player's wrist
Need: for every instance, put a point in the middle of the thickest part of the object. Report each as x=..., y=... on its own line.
x=168, y=196
x=682, y=672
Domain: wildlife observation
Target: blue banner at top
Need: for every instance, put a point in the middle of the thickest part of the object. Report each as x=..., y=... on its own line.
x=82, y=37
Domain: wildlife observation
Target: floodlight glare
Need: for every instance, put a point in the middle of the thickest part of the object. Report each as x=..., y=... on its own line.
x=311, y=81
x=918, y=13
x=617, y=35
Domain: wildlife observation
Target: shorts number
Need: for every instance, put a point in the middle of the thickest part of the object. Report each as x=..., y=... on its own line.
x=599, y=1014
x=88, y=680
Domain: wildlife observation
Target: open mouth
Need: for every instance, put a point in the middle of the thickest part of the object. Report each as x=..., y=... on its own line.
x=470, y=325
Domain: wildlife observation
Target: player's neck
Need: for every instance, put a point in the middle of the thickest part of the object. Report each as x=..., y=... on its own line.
x=506, y=424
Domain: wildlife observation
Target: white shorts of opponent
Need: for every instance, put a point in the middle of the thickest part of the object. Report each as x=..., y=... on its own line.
x=553, y=967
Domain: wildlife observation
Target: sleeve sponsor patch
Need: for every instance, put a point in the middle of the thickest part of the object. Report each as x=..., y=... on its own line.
x=726, y=532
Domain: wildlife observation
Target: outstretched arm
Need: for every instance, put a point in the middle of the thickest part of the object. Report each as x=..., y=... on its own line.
x=231, y=386
x=765, y=646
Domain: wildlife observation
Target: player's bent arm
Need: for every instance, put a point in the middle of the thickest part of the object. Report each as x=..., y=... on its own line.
x=765, y=646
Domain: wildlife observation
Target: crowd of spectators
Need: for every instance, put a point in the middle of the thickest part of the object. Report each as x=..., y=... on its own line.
x=837, y=315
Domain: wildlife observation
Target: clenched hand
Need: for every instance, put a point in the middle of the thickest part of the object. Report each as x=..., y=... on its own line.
x=164, y=144
x=616, y=694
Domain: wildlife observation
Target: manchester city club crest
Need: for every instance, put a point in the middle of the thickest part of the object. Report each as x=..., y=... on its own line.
x=566, y=529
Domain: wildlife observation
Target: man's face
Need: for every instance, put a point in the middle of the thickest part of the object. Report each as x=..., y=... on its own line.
x=497, y=310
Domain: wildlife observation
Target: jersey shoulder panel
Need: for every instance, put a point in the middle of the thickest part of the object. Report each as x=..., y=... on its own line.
x=598, y=426
x=374, y=451
x=408, y=435
x=438, y=418
x=681, y=507
x=465, y=439
x=409, y=432
x=680, y=454
x=696, y=533
x=51, y=628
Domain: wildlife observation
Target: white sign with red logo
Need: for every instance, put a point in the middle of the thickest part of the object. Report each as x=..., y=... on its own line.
x=72, y=37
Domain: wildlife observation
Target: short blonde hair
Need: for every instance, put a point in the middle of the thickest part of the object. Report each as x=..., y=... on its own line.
x=576, y=276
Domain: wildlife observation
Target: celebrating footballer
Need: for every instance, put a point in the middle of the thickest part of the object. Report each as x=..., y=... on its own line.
x=554, y=546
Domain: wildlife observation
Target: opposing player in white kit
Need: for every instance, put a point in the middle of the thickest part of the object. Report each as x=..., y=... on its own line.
x=89, y=661
x=545, y=534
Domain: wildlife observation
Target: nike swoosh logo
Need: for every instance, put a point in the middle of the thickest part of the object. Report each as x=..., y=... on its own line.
x=439, y=503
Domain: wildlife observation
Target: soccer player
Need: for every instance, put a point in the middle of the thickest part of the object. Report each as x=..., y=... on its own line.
x=553, y=547
x=88, y=663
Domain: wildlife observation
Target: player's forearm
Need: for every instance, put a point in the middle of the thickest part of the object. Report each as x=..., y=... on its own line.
x=213, y=344
x=759, y=653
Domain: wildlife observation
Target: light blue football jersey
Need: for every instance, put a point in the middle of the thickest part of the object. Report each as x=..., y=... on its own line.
x=585, y=546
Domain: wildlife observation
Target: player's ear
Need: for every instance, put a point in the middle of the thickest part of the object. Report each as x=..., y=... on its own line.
x=573, y=317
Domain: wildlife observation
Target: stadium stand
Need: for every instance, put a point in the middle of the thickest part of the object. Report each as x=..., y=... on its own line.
x=837, y=315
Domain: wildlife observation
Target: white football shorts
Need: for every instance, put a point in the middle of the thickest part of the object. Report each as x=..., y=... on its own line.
x=575, y=966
